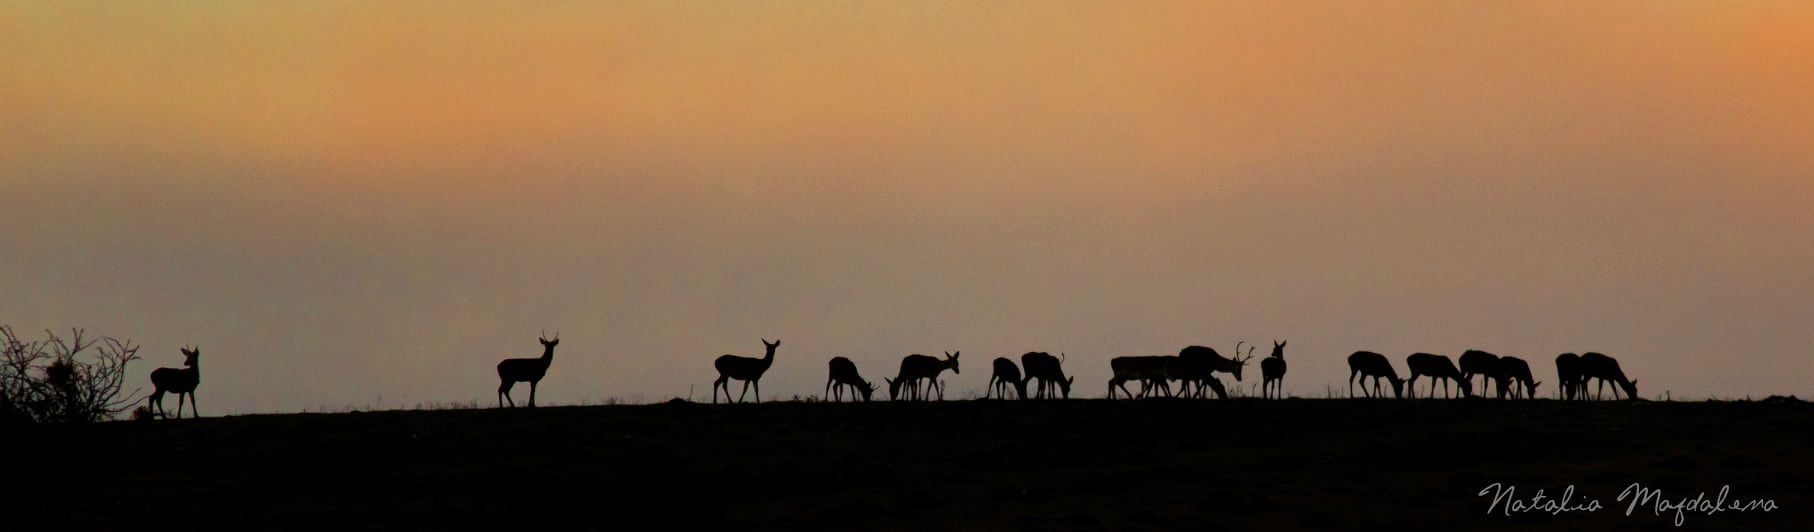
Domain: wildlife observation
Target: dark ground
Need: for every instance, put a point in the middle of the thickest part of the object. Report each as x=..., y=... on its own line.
x=1155, y=464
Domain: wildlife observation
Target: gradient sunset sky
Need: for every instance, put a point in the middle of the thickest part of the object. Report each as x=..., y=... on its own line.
x=368, y=204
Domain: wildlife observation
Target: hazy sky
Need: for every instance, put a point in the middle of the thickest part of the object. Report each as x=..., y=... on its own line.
x=369, y=204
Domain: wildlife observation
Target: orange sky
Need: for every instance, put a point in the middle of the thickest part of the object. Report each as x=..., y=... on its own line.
x=344, y=201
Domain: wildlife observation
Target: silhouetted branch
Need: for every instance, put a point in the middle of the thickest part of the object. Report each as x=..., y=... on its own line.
x=81, y=382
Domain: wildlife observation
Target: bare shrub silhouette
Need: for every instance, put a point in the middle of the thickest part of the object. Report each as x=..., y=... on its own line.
x=77, y=380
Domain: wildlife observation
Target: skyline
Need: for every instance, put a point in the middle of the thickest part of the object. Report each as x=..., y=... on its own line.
x=342, y=202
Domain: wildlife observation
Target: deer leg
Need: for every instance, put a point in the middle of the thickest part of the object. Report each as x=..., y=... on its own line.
x=192, y=409
x=179, y=405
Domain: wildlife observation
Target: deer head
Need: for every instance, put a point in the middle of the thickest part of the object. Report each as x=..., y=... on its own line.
x=1065, y=386
x=867, y=389
x=551, y=343
x=951, y=357
x=189, y=355
x=769, y=346
x=1278, y=349
x=894, y=389
x=1631, y=389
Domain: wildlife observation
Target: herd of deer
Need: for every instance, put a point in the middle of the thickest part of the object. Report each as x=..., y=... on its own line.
x=1510, y=374
x=1194, y=368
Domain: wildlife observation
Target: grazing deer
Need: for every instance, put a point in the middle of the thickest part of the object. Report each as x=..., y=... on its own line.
x=178, y=381
x=1568, y=371
x=1438, y=368
x=1146, y=369
x=1272, y=371
x=1370, y=364
x=1050, y=372
x=844, y=373
x=1514, y=372
x=1200, y=364
x=917, y=367
x=1006, y=375
x=1477, y=362
x=746, y=369
x=1605, y=368
x=531, y=370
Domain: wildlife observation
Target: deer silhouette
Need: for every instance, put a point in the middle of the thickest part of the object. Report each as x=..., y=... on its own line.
x=1199, y=365
x=1050, y=372
x=844, y=373
x=1272, y=371
x=746, y=369
x=1477, y=362
x=1512, y=373
x=1370, y=364
x=1568, y=371
x=1605, y=368
x=531, y=370
x=917, y=367
x=178, y=381
x=1438, y=368
x=1149, y=370
x=1006, y=375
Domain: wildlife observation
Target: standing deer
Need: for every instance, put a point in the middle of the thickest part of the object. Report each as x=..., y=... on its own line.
x=917, y=367
x=1605, y=368
x=1477, y=362
x=1438, y=368
x=1272, y=371
x=1370, y=364
x=844, y=373
x=1514, y=372
x=1050, y=372
x=1149, y=370
x=178, y=381
x=531, y=370
x=1568, y=371
x=746, y=369
x=1006, y=376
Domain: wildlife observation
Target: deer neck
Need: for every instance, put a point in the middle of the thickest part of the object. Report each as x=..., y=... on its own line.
x=768, y=357
x=547, y=355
